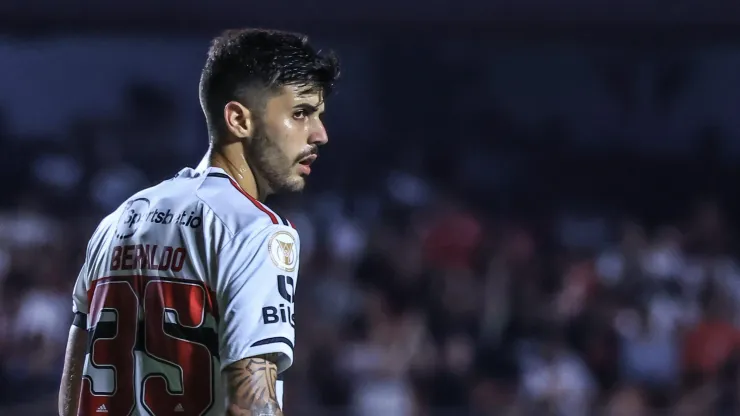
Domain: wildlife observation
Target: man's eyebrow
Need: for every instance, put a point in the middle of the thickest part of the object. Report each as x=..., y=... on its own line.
x=308, y=107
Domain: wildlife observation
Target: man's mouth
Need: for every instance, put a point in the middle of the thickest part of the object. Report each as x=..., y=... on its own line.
x=308, y=160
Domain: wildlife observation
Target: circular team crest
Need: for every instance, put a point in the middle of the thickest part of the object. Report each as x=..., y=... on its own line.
x=283, y=251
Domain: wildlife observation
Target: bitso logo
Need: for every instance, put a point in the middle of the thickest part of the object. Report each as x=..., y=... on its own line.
x=286, y=287
x=132, y=215
x=284, y=311
x=283, y=251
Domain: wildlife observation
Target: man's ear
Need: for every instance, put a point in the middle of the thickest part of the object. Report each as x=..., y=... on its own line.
x=238, y=119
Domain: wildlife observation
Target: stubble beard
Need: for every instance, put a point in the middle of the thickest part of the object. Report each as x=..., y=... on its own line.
x=272, y=165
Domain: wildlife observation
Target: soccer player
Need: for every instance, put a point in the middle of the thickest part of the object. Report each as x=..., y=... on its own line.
x=184, y=305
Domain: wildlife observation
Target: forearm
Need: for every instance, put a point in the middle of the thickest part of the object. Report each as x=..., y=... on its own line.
x=74, y=360
x=251, y=386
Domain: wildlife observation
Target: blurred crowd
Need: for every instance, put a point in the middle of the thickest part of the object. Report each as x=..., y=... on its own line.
x=491, y=276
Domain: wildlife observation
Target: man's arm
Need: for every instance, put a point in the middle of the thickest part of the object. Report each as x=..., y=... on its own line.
x=257, y=273
x=251, y=386
x=74, y=361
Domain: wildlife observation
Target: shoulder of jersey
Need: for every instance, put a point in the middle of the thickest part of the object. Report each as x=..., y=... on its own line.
x=236, y=208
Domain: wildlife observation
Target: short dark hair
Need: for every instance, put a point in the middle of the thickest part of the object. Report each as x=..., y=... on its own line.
x=245, y=64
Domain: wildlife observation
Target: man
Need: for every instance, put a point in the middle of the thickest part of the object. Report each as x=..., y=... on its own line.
x=184, y=305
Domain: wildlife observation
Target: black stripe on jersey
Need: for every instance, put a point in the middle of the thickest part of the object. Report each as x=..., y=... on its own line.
x=219, y=175
x=80, y=320
x=106, y=330
x=274, y=340
x=203, y=336
x=283, y=220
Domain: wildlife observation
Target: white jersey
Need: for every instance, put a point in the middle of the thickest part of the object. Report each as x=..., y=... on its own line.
x=182, y=280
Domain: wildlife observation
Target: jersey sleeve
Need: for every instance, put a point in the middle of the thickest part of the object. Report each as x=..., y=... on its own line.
x=255, y=289
x=85, y=277
x=79, y=295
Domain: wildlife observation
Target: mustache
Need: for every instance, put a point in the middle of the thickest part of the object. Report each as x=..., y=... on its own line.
x=313, y=151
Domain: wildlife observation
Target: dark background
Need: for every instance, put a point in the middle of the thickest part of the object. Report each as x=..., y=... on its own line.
x=524, y=208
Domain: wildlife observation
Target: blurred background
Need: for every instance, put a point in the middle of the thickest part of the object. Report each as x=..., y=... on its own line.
x=524, y=209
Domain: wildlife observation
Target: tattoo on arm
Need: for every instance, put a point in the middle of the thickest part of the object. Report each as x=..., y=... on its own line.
x=251, y=387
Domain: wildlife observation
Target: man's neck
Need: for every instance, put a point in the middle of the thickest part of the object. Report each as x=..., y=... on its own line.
x=235, y=165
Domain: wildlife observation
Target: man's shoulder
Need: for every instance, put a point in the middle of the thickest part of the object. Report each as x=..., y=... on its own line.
x=235, y=209
x=208, y=201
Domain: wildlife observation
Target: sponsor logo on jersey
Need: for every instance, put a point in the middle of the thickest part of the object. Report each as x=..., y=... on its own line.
x=138, y=211
x=184, y=218
x=284, y=311
x=283, y=250
x=132, y=214
x=286, y=287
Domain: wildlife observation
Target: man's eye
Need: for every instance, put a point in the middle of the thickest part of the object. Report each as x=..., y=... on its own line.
x=300, y=114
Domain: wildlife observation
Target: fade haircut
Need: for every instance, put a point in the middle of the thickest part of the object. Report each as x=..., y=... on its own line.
x=248, y=65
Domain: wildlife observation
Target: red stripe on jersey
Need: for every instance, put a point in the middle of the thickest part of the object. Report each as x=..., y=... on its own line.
x=290, y=223
x=256, y=203
x=139, y=283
